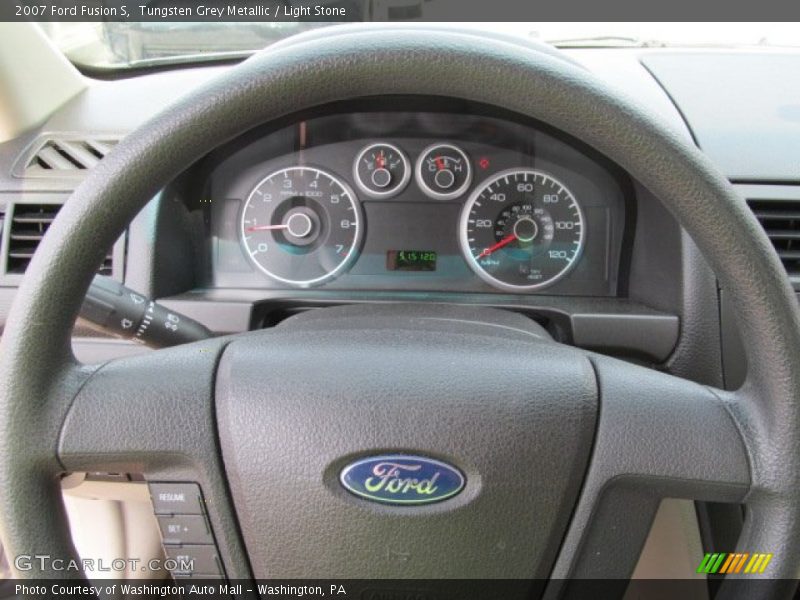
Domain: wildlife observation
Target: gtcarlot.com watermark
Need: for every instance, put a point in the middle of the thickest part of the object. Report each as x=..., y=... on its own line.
x=27, y=562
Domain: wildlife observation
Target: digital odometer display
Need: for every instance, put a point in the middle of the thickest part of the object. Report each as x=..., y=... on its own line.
x=411, y=260
x=521, y=230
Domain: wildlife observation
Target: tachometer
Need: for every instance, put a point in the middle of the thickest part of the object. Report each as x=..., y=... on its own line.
x=301, y=226
x=522, y=230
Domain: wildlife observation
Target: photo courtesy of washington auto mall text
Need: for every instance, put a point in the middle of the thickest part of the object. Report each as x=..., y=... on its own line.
x=207, y=590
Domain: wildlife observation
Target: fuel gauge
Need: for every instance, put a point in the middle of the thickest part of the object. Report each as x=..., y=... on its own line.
x=443, y=171
x=381, y=170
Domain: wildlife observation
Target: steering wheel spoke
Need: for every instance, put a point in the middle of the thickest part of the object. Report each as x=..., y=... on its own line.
x=658, y=437
x=144, y=413
x=153, y=414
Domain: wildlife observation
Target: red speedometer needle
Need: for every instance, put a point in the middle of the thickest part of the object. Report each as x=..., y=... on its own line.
x=440, y=163
x=266, y=227
x=504, y=242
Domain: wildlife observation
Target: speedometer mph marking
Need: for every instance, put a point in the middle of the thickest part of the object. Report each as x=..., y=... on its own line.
x=299, y=231
x=522, y=230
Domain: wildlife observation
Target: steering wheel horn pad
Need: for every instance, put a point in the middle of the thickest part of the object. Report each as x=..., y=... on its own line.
x=299, y=404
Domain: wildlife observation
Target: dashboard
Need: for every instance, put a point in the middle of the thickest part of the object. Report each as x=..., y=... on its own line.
x=427, y=200
x=636, y=288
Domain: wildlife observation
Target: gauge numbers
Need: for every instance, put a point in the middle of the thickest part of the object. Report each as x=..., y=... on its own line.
x=521, y=230
x=301, y=226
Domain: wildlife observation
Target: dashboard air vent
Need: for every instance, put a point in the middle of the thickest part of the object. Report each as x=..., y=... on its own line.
x=29, y=222
x=65, y=155
x=781, y=221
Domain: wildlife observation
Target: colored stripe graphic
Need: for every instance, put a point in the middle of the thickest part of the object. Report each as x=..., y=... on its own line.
x=764, y=564
x=727, y=563
x=704, y=563
x=711, y=563
x=741, y=562
x=717, y=563
x=753, y=562
x=731, y=560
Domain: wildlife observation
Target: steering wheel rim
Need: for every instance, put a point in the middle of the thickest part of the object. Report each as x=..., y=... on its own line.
x=40, y=379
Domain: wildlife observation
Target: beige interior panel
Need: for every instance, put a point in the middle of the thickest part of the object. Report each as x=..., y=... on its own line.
x=35, y=78
x=672, y=551
x=113, y=520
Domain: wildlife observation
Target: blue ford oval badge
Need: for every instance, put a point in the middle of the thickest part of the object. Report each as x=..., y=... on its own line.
x=402, y=479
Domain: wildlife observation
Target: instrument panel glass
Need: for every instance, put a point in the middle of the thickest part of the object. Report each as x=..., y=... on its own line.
x=568, y=219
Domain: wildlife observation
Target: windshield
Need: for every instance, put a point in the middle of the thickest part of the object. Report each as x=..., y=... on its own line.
x=136, y=45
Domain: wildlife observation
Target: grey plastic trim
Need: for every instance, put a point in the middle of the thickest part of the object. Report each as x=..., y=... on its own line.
x=607, y=325
x=767, y=191
x=651, y=336
x=220, y=316
x=734, y=361
x=74, y=175
x=13, y=200
x=10, y=200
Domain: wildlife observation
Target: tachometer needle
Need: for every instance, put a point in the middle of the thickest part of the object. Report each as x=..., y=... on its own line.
x=504, y=242
x=266, y=227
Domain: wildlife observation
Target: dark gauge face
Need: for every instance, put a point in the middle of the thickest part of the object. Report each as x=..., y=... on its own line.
x=381, y=170
x=521, y=230
x=443, y=171
x=301, y=226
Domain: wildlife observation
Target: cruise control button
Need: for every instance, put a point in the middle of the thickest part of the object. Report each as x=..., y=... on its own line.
x=194, y=560
x=184, y=529
x=176, y=498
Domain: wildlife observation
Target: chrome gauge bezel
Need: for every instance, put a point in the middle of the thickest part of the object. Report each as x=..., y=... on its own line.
x=452, y=195
x=345, y=263
x=394, y=190
x=463, y=236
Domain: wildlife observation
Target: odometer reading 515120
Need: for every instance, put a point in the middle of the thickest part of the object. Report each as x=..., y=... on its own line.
x=522, y=230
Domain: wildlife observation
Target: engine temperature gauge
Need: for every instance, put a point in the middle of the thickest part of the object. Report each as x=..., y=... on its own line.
x=443, y=171
x=381, y=170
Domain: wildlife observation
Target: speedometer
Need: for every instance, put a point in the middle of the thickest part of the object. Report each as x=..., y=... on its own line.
x=522, y=230
x=301, y=226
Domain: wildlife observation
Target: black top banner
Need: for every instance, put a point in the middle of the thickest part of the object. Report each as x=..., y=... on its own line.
x=281, y=11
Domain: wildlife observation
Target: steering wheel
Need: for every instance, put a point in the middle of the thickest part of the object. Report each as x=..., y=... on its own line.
x=554, y=449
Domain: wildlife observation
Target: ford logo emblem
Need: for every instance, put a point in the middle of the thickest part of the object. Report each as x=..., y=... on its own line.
x=402, y=479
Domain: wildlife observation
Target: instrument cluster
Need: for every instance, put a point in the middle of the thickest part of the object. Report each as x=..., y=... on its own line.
x=418, y=202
